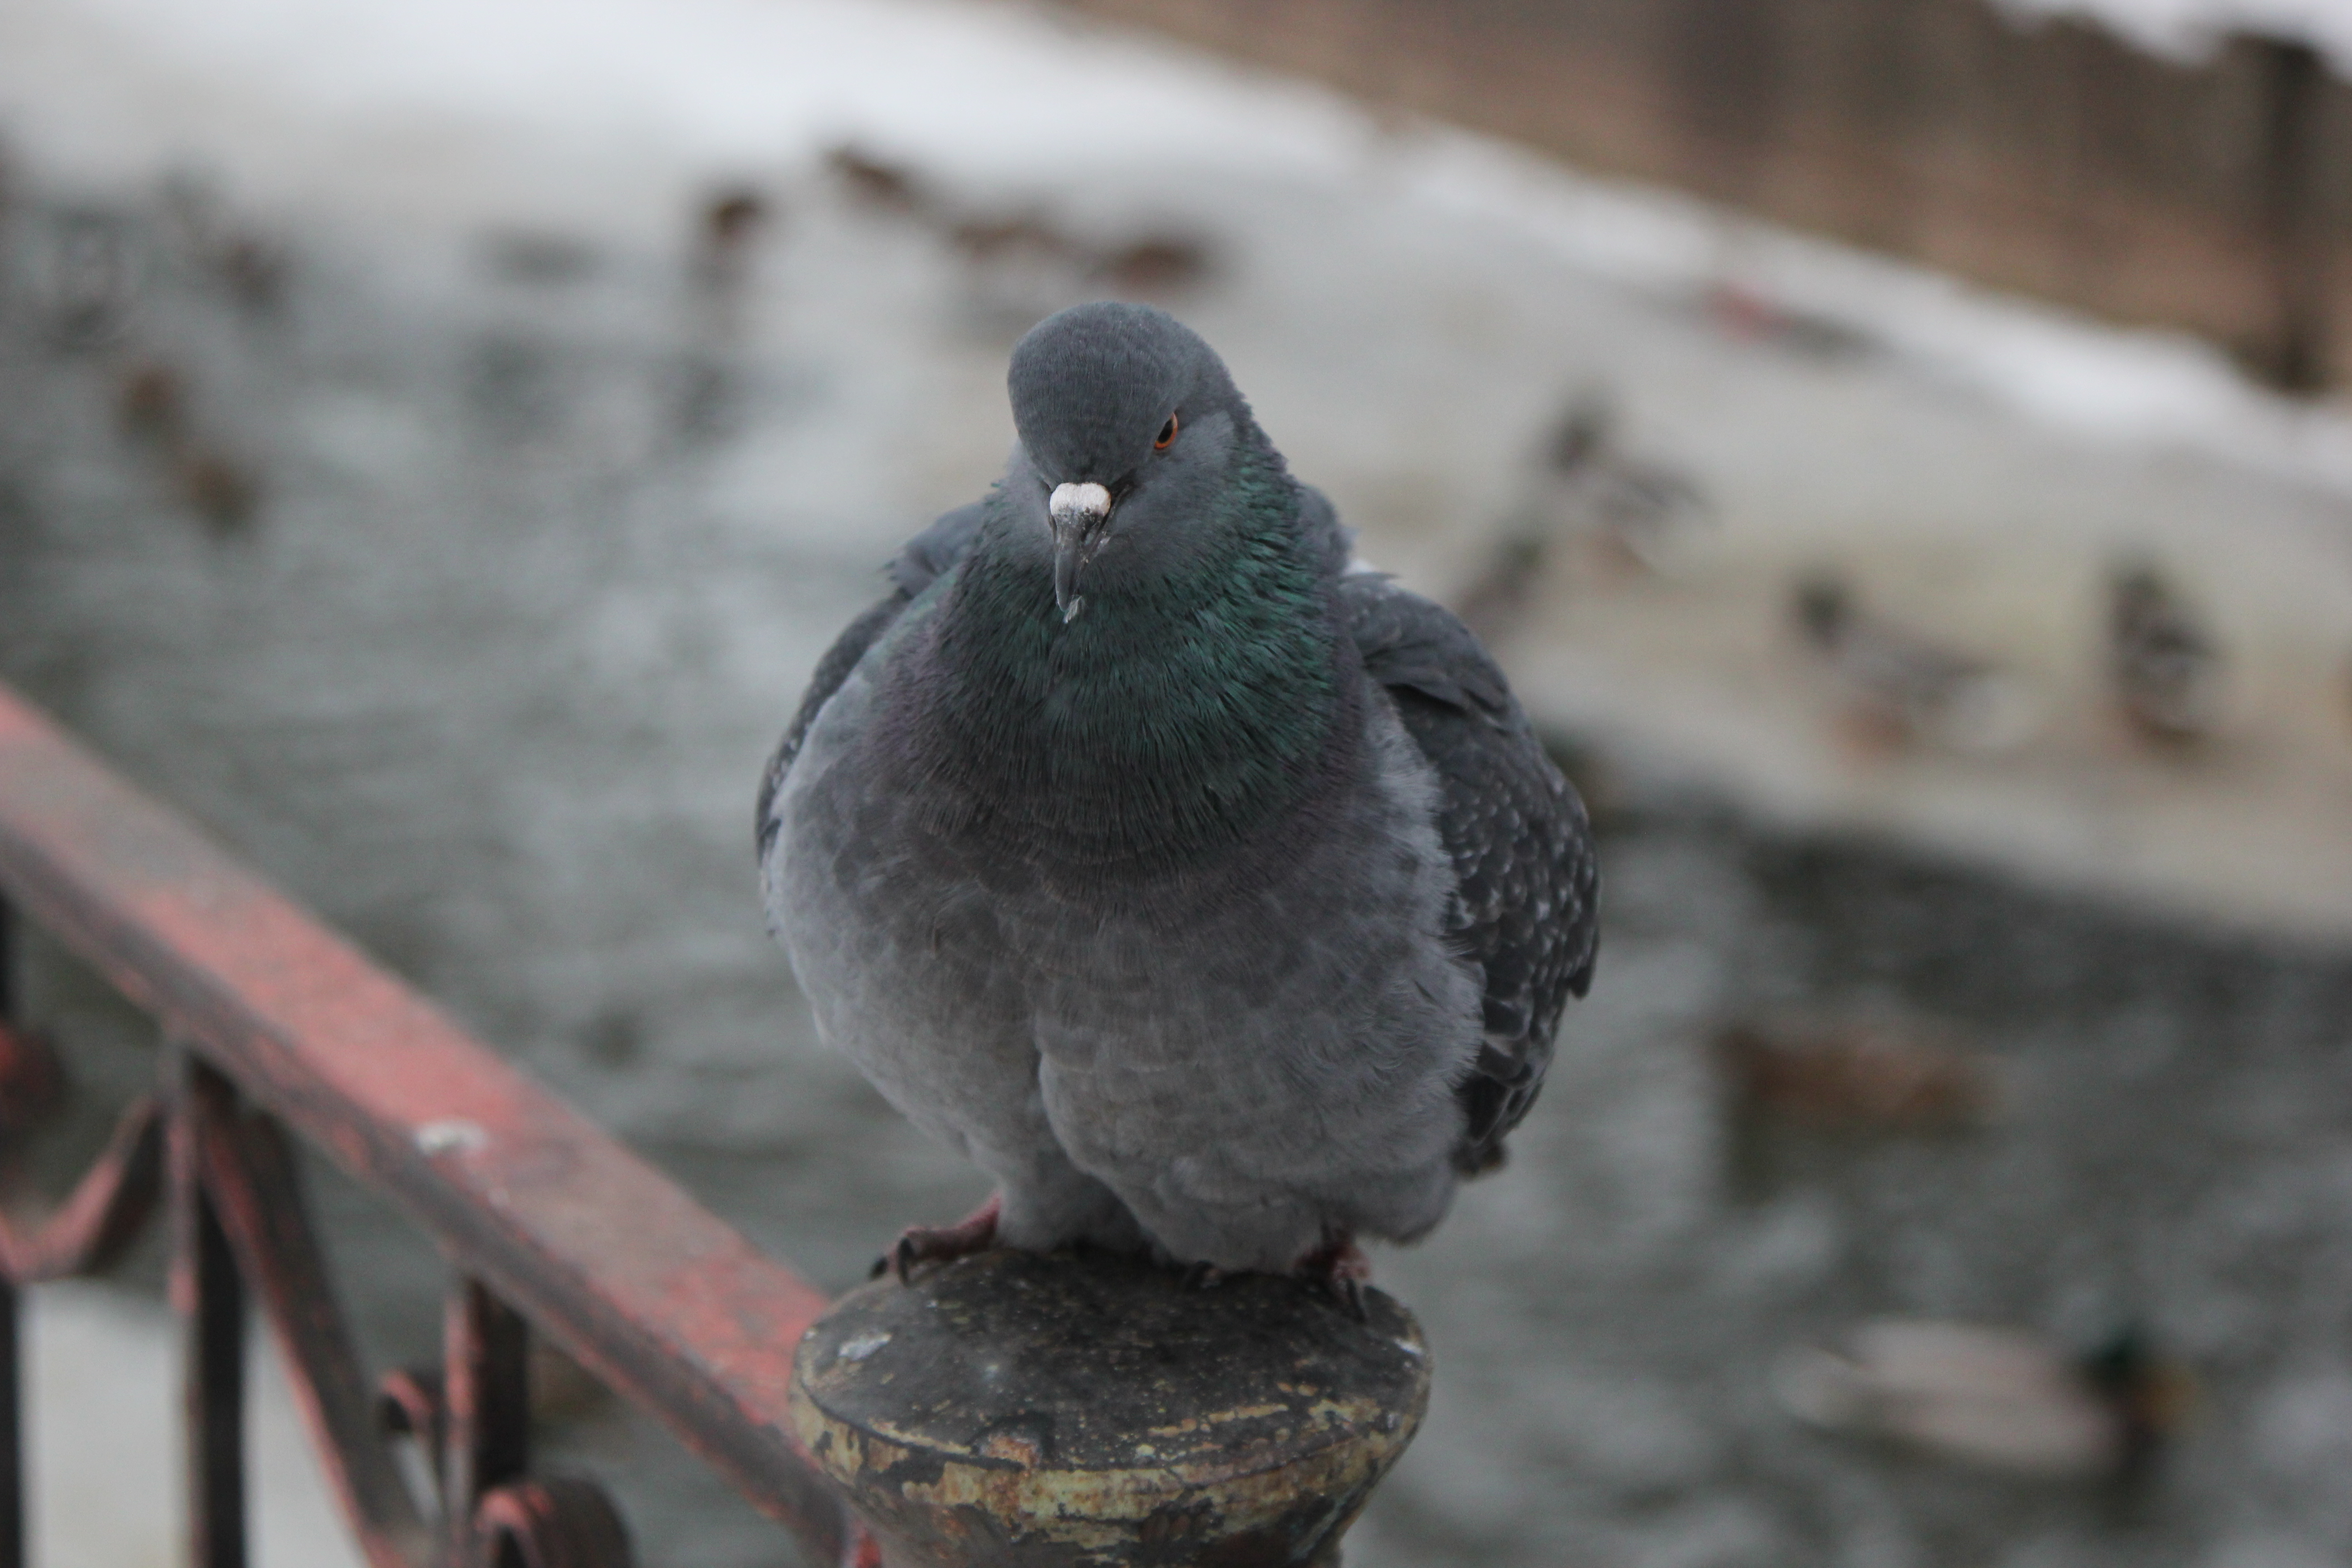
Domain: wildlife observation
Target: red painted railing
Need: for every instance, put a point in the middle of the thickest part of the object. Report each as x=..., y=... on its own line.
x=276, y=1025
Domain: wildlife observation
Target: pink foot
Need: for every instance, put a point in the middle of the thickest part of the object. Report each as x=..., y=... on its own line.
x=1202, y=1276
x=1340, y=1266
x=976, y=1232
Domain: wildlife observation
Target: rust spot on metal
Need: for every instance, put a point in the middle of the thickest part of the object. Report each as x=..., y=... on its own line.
x=561, y=1521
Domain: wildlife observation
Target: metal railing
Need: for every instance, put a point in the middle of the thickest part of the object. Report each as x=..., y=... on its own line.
x=275, y=1026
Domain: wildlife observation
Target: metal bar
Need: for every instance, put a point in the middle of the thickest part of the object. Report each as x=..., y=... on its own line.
x=488, y=1385
x=12, y=1439
x=106, y=1212
x=408, y=1404
x=210, y=1303
x=11, y=1432
x=250, y=1175
x=665, y=1304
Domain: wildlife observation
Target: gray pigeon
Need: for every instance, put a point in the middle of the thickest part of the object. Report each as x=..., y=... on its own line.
x=1214, y=896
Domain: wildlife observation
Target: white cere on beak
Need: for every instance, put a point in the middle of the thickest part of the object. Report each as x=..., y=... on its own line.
x=1072, y=502
x=1078, y=513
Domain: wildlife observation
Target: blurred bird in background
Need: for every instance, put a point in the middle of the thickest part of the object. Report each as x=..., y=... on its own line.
x=1846, y=1075
x=2164, y=672
x=204, y=233
x=1584, y=487
x=732, y=220
x=154, y=408
x=1994, y=1397
x=1019, y=261
x=1898, y=687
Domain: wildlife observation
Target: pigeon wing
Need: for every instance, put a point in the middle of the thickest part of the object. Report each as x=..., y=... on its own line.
x=924, y=558
x=1528, y=881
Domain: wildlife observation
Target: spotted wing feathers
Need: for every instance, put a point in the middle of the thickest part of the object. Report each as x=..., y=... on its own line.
x=1527, y=903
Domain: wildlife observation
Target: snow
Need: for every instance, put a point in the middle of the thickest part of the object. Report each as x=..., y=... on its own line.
x=2152, y=388
x=714, y=79
x=2190, y=30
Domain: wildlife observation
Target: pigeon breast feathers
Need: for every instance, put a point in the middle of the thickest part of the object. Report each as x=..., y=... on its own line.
x=1526, y=903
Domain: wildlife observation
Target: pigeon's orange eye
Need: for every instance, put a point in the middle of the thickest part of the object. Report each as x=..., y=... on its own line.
x=1167, y=433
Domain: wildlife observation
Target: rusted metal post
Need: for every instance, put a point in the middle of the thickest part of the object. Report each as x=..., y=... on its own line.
x=12, y=1437
x=251, y=1182
x=488, y=1407
x=1011, y=1410
x=11, y=1432
x=210, y=1303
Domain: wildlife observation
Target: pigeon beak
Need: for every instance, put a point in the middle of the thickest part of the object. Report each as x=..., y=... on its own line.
x=1079, y=513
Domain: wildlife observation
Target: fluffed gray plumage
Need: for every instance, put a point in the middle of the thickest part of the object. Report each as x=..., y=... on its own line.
x=1213, y=898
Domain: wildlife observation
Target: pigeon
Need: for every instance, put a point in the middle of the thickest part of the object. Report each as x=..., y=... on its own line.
x=1212, y=893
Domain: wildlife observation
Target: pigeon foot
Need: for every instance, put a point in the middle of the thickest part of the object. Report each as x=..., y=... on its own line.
x=1203, y=1276
x=1340, y=1268
x=976, y=1232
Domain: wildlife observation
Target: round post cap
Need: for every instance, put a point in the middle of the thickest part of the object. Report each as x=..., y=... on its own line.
x=1097, y=1412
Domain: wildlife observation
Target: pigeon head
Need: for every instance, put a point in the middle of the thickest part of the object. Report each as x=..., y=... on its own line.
x=1129, y=427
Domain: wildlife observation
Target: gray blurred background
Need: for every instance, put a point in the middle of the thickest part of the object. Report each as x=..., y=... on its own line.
x=1896, y=446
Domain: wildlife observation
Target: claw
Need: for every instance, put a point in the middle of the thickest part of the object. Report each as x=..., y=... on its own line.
x=1340, y=1268
x=918, y=1244
x=1204, y=1276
